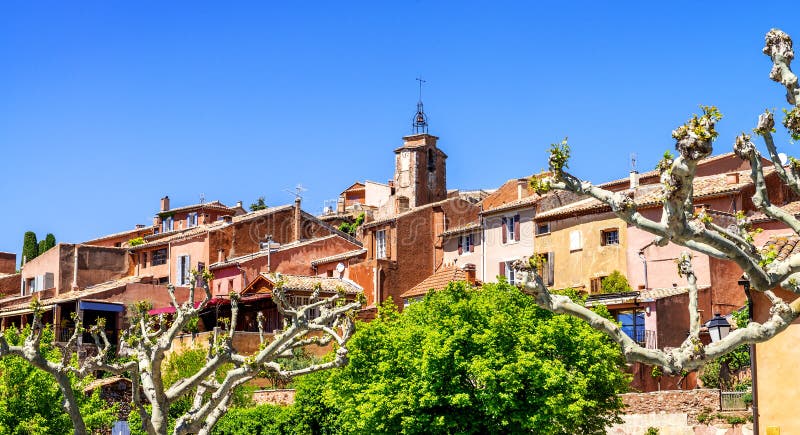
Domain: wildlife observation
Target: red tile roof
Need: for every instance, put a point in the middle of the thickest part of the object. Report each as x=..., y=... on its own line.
x=650, y=195
x=437, y=281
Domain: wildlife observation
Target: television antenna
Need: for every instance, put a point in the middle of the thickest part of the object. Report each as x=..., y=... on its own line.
x=633, y=162
x=297, y=192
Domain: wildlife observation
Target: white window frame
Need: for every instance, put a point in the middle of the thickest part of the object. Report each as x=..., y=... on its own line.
x=510, y=272
x=510, y=229
x=167, y=224
x=184, y=269
x=191, y=220
x=380, y=244
x=466, y=243
x=575, y=240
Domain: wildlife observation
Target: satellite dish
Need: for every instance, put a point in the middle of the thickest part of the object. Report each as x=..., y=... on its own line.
x=784, y=158
x=340, y=267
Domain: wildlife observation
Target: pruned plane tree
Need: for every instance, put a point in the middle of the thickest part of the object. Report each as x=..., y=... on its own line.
x=148, y=340
x=680, y=225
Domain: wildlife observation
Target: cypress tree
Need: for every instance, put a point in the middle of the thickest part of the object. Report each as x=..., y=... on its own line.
x=42, y=246
x=50, y=241
x=30, y=249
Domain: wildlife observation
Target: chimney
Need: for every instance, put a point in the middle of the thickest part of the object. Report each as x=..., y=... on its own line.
x=297, y=220
x=165, y=203
x=469, y=270
x=634, y=179
x=340, y=205
x=220, y=255
x=732, y=178
x=239, y=204
x=521, y=184
x=139, y=226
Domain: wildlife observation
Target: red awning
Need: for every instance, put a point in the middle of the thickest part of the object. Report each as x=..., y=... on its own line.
x=170, y=309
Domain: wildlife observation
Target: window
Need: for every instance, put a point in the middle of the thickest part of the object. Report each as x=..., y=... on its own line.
x=167, y=224
x=575, y=241
x=330, y=273
x=511, y=229
x=465, y=245
x=380, y=244
x=118, y=245
x=546, y=267
x=543, y=228
x=191, y=220
x=431, y=160
x=164, y=280
x=143, y=259
x=610, y=237
x=597, y=285
x=184, y=270
x=159, y=257
x=299, y=301
x=201, y=267
x=632, y=324
x=510, y=272
x=230, y=285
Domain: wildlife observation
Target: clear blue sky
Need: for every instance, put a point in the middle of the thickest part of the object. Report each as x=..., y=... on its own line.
x=107, y=106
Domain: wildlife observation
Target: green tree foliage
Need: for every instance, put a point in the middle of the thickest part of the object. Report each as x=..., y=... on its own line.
x=468, y=361
x=30, y=248
x=49, y=241
x=351, y=228
x=260, y=204
x=30, y=401
x=615, y=283
x=42, y=247
x=136, y=241
x=259, y=420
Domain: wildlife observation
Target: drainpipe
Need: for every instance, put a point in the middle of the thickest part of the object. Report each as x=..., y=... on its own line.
x=482, y=222
x=75, y=270
x=169, y=262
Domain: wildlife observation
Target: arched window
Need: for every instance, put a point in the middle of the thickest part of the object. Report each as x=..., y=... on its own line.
x=431, y=160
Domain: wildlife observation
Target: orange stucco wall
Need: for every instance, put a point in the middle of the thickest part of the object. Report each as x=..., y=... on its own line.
x=777, y=369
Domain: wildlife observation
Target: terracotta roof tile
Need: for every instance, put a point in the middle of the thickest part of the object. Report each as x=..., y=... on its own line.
x=210, y=205
x=786, y=245
x=437, y=281
x=792, y=207
x=461, y=229
x=338, y=257
x=405, y=213
x=309, y=283
x=650, y=195
x=641, y=296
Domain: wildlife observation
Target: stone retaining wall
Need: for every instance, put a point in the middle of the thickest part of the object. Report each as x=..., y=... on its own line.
x=274, y=397
x=689, y=402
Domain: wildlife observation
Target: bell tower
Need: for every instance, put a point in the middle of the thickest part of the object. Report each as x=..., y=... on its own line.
x=420, y=167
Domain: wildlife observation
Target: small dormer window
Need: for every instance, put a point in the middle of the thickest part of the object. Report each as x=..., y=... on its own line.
x=431, y=160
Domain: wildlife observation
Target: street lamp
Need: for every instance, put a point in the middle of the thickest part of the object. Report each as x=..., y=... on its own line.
x=718, y=327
